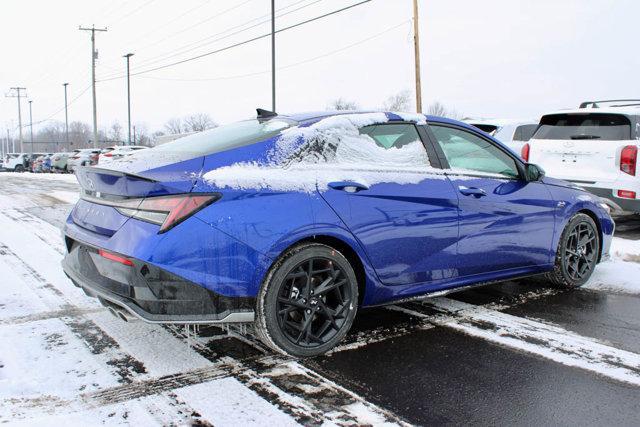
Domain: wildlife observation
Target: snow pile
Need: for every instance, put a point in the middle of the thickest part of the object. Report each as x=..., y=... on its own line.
x=327, y=151
x=622, y=272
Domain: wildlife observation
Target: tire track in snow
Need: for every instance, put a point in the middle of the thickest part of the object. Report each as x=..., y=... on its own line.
x=125, y=367
x=308, y=397
x=532, y=336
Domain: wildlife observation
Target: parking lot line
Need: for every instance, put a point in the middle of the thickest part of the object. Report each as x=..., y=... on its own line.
x=546, y=340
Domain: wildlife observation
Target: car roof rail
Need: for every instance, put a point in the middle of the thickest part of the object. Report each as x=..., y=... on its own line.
x=594, y=104
x=265, y=114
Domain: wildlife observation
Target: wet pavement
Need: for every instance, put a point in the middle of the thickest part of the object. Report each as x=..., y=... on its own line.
x=487, y=356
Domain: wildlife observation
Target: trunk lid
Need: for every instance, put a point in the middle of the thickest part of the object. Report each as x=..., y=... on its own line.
x=129, y=180
x=580, y=160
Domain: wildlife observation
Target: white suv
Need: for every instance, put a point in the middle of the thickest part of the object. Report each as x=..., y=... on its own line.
x=596, y=147
x=110, y=154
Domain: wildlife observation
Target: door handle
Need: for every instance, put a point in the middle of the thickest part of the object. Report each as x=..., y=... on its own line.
x=348, y=186
x=473, y=191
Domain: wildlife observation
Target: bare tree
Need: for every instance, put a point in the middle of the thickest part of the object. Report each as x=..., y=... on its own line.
x=342, y=104
x=198, y=122
x=174, y=126
x=438, y=109
x=401, y=101
x=115, y=132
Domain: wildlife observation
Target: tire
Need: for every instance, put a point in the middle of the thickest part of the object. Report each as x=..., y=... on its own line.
x=304, y=318
x=577, y=253
x=19, y=168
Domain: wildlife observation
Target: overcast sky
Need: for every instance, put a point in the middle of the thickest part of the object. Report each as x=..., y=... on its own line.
x=491, y=58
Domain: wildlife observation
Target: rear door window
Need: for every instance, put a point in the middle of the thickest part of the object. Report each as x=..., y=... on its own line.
x=584, y=126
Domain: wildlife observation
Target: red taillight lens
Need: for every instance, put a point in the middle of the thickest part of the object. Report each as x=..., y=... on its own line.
x=626, y=194
x=167, y=211
x=628, y=159
x=524, y=153
x=115, y=258
x=108, y=155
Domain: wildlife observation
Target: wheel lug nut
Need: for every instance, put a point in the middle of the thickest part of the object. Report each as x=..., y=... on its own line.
x=308, y=311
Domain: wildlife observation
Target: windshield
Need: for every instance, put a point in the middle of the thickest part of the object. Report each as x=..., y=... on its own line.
x=225, y=137
x=589, y=126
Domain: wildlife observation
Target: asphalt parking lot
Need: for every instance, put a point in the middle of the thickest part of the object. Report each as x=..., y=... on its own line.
x=510, y=353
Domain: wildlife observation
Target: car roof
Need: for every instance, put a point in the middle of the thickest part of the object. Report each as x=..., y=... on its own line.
x=306, y=118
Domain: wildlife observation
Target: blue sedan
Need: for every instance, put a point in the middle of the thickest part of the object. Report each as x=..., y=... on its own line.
x=293, y=222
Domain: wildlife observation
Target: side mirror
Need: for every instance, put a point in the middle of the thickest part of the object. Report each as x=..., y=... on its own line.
x=533, y=172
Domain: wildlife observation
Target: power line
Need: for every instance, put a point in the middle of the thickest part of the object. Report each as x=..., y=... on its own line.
x=181, y=50
x=242, y=42
x=82, y=92
x=285, y=67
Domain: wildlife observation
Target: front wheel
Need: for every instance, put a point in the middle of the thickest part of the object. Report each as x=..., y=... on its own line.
x=308, y=301
x=577, y=253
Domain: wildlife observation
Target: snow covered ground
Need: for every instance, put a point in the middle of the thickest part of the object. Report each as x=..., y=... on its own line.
x=65, y=359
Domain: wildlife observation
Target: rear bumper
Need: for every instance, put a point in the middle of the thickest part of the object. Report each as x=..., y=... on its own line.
x=150, y=293
x=619, y=205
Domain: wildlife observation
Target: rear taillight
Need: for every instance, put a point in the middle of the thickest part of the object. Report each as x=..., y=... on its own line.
x=627, y=194
x=524, y=153
x=166, y=211
x=628, y=159
x=107, y=155
x=115, y=258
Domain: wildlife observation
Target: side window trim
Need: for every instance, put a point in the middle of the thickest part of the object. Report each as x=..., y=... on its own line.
x=445, y=163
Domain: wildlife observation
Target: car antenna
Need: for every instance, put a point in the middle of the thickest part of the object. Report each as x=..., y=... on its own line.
x=265, y=114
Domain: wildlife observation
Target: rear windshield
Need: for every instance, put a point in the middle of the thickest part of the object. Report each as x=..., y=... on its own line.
x=524, y=132
x=610, y=127
x=225, y=137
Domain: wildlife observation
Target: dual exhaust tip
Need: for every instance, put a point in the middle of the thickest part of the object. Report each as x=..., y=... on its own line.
x=116, y=311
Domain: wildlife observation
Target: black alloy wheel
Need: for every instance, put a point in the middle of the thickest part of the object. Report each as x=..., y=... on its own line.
x=577, y=254
x=313, y=302
x=308, y=302
x=580, y=252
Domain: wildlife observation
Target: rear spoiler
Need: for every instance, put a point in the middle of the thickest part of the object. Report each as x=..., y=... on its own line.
x=594, y=104
x=112, y=172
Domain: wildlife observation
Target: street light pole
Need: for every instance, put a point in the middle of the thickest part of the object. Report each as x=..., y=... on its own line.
x=128, y=56
x=31, y=124
x=66, y=117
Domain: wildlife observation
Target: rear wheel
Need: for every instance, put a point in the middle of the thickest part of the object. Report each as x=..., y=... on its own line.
x=577, y=253
x=308, y=301
x=19, y=168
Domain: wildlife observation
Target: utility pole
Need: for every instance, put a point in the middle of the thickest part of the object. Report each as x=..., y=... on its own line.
x=31, y=124
x=416, y=45
x=128, y=56
x=13, y=148
x=94, y=56
x=66, y=117
x=18, y=95
x=273, y=55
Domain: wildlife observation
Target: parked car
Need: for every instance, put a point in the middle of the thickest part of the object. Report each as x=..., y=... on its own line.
x=512, y=133
x=112, y=153
x=40, y=163
x=59, y=162
x=594, y=146
x=294, y=222
x=17, y=162
x=82, y=157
